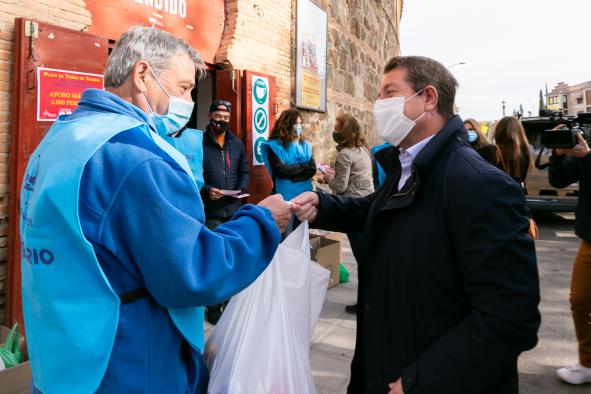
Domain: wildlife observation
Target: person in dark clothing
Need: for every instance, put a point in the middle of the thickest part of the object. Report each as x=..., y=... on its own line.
x=478, y=140
x=566, y=167
x=514, y=148
x=448, y=282
x=225, y=167
x=288, y=158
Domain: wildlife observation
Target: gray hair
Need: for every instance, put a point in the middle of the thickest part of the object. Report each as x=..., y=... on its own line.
x=154, y=46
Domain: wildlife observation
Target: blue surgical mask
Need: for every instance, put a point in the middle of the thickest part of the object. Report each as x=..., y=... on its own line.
x=472, y=136
x=178, y=115
x=298, y=129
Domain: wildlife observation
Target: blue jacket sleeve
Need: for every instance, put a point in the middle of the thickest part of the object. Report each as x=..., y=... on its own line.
x=156, y=218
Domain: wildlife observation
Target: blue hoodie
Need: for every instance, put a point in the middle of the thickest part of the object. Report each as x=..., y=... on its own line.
x=141, y=212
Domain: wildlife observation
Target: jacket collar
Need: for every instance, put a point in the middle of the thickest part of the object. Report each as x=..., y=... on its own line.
x=450, y=137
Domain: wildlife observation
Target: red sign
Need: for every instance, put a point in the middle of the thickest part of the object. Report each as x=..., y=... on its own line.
x=59, y=91
x=199, y=22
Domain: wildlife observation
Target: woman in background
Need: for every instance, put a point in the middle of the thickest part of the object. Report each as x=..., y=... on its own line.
x=288, y=158
x=514, y=148
x=352, y=176
x=481, y=143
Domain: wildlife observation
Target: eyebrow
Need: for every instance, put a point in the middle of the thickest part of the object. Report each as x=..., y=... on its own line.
x=187, y=82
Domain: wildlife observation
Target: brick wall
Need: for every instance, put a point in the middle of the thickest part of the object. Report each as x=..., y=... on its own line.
x=362, y=35
x=259, y=35
x=68, y=13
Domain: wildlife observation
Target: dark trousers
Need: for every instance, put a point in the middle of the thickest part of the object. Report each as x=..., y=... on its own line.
x=580, y=301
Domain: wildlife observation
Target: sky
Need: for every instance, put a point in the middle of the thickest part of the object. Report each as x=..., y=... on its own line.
x=512, y=48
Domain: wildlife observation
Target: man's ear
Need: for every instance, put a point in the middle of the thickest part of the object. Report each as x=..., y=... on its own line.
x=431, y=98
x=139, y=75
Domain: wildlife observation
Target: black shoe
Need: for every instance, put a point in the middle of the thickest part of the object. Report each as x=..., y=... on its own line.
x=352, y=309
x=214, y=315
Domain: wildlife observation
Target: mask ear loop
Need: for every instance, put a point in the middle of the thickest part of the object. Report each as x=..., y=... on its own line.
x=413, y=96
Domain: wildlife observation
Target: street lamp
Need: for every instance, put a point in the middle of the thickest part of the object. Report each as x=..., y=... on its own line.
x=456, y=64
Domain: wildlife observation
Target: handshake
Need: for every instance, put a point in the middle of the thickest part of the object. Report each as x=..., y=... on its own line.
x=304, y=206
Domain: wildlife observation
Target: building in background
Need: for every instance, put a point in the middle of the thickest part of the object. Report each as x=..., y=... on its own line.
x=250, y=50
x=571, y=100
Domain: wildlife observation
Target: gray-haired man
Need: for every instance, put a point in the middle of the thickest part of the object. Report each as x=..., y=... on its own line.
x=116, y=215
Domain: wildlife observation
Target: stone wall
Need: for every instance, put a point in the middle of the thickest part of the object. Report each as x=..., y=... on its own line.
x=259, y=35
x=362, y=36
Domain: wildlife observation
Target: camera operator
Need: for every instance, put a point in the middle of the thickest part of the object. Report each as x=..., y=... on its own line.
x=568, y=166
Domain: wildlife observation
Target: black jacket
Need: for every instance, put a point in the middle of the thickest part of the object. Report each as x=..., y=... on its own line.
x=223, y=168
x=566, y=170
x=295, y=172
x=448, y=282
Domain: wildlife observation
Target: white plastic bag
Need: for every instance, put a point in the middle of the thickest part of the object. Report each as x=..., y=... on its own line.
x=261, y=345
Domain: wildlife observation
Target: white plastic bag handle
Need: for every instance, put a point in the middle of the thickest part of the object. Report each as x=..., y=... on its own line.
x=297, y=243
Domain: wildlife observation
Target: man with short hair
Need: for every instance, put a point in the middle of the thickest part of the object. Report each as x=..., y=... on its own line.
x=448, y=283
x=114, y=209
x=225, y=165
x=225, y=168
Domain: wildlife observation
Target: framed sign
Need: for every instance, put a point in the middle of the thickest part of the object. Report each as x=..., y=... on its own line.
x=58, y=91
x=311, y=45
x=260, y=117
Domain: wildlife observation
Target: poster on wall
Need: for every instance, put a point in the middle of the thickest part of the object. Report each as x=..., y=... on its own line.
x=200, y=23
x=260, y=117
x=59, y=91
x=311, y=39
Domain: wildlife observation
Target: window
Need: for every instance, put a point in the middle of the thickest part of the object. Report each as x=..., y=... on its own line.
x=564, y=102
x=580, y=100
x=588, y=97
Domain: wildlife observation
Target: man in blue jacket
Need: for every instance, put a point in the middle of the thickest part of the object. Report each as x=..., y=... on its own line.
x=117, y=261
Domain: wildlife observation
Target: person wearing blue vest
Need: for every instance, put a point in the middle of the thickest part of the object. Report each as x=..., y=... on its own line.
x=288, y=158
x=117, y=262
x=379, y=175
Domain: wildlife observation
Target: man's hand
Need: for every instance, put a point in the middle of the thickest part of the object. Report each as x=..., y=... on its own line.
x=396, y=388
x=306, y=206
x=215, y=194
x=280, y=209
x=579, y=151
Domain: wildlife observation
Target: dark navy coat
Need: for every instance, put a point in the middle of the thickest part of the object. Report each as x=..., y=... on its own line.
x=448, y=284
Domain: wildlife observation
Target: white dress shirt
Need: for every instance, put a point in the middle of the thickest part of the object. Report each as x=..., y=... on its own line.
x=407, y=156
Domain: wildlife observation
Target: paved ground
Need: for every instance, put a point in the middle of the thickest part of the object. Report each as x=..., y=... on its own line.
x=334, y=340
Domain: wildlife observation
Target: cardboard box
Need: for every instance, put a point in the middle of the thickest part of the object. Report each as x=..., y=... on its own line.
x=327, y=252
x=16, y=380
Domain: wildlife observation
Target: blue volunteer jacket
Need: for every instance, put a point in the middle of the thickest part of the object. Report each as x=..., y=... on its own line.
x=139, y=211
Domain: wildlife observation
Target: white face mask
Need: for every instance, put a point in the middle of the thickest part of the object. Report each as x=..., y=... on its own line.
x=391, y=123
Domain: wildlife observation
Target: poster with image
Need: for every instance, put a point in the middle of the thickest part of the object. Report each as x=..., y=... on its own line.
x=311, y=40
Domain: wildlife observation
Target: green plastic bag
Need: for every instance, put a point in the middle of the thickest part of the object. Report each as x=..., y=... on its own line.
x=344, y=273
x=9, y=352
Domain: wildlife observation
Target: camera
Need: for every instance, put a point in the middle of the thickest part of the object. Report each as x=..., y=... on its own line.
x=565, y=138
